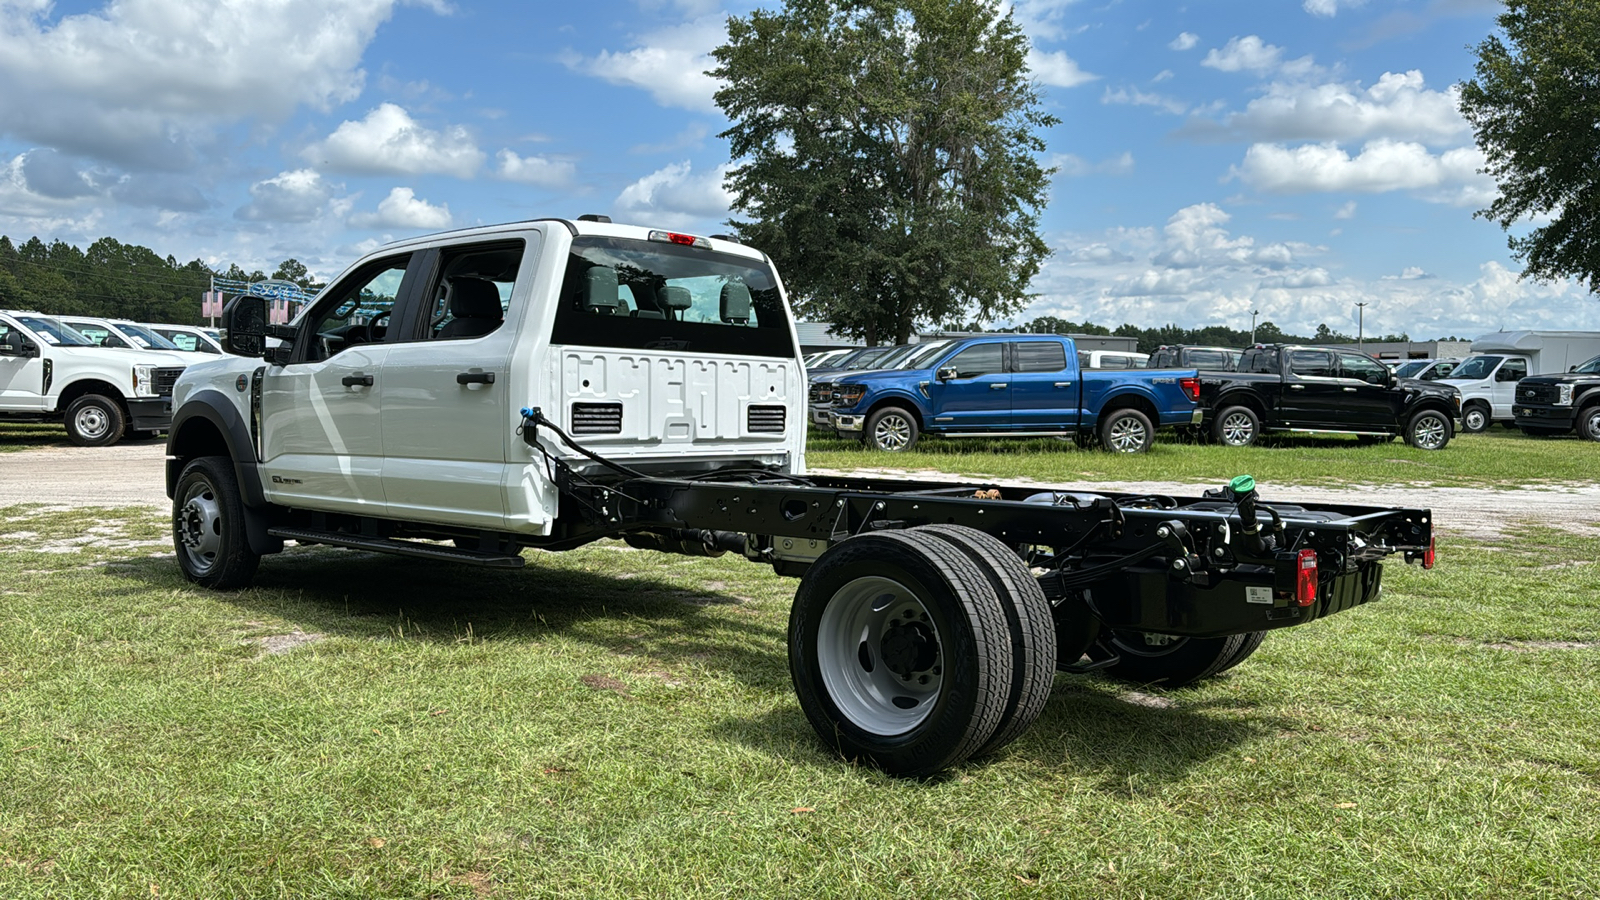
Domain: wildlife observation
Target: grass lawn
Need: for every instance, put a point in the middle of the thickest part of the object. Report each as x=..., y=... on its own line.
x=1495, y=458
x=32, y=436
x=613, y=723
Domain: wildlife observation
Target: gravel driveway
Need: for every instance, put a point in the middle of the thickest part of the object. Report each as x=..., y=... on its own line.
x=132, y=474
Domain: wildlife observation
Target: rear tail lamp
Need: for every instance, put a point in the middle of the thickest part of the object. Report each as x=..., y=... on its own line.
x=1191, y=386
x=1428, y=555
x=1305, y=578
x=686, y=240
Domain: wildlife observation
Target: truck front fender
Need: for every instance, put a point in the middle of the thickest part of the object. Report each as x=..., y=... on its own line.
x=209, y=424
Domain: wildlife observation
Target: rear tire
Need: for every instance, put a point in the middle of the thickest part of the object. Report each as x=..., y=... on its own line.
x=1028, y=616
x=1184, y=660
x=1126, y=431
x=1428, y=430
x=1236, y=426
x=94, y=420
x=1250, y=644
x=891, y=429
x=899, y=652
x=208, y=526
x=1475, y=418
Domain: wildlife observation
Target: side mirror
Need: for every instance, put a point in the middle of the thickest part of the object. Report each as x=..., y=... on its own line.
x=12, y=343
x=244, y=326
x=1572, y=368
x=946, y=373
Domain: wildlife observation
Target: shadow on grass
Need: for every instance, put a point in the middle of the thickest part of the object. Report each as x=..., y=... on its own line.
x=374, y=596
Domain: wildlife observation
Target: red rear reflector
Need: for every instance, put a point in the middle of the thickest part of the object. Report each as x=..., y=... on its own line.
x=1428, y=555
x=1191, y=386
x=1305, y=578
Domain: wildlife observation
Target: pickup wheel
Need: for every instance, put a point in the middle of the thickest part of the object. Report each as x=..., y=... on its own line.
x=1029, y=619
x=1475, y=418
x=94, y=420
x=1428, y=430
x=899, y=652
x=1250, y=644
x=891, y=428
x=1127, y=431
x=1589, y=423
x=1179, y=661
x=208, y=530
x=1236, y=426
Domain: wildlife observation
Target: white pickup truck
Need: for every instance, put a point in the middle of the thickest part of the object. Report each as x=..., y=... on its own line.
x=463, y=396
x=48, y=372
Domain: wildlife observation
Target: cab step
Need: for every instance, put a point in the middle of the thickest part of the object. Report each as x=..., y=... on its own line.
x=400, y=548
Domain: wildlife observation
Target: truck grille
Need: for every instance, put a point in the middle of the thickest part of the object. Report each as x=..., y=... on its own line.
x=766, y=419
x=166, y=378
x=1536, y=393
x=596, y=418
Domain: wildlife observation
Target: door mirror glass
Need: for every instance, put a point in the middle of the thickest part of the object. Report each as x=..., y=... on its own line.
x=244, y=326
x=947, y=372
x=11, y=344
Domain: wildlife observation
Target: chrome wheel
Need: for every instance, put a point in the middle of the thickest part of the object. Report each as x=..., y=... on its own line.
x=1238, y=429
x=878, y=653
x=199, y=527
x=1475, y=420
x=1127, y=434
x=1429, y=432
x=892, y=432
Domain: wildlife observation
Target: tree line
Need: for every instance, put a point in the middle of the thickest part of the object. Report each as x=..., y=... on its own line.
x=1208, y=335
x=116, y=280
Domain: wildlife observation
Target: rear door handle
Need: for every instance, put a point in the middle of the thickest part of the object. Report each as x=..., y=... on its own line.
x=1063, y=384
x=1350, y=390
x=474, y=378
x=1297, y=387
x=356, y=379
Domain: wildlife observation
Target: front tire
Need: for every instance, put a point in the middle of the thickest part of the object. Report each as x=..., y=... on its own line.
x=1236, y=426
x=1177, y=662
x=1589, y=423
x=1428, y=430
x=899, y=652
x=1475, y=418
x=208, y=526
x=94, y=420
x=1127, y=431
x=891, y=429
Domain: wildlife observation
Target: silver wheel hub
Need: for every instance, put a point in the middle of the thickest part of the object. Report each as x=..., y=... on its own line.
x=91, y=422
x=1237, y=429
x=199, y=527
x=1475, y=419
x=1429, y=433
x=1591, y=424
x=893, y=432
x=879, y=655
x=1126, y=435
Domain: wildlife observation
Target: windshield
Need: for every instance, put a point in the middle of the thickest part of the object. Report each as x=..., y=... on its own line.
x=185, y=340
x=894, y=357
x=923, y=355
x=1410, y=369
x=55, y=332
x=1592, y=367
x=659, y=295
x=145, y=338
x=1475, y=367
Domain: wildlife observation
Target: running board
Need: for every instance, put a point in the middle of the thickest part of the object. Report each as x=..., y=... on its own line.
x=400, y=548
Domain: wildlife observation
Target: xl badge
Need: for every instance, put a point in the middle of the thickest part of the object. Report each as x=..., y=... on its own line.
x=241, y=383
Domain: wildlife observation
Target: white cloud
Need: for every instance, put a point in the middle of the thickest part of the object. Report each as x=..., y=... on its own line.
x=676, y=197
x=1347, y=211
x=1057, y=69
x=1328, y=8
x=403, y=209
x=1249, y=53
x=298, y=196
x=1383, y=165
x=534, y=169
x=146, y=83
x=1398, y=106
x=1185, y=41
x=1072, y=166
x=1136, y=97
x=389, y=142
x=670, y=64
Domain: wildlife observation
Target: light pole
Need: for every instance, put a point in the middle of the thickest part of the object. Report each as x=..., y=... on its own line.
x=1361, y=331
x=1253, y=314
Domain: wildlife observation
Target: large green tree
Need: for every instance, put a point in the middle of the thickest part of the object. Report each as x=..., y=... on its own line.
x=1535, y=110
x=885, y=157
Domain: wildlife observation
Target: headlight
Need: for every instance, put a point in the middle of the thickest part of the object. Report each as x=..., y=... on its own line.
x=1564, y=395
x=144, y=380
x=848, y=395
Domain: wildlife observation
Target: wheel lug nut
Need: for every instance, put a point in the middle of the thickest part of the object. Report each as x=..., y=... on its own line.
x=923, y=679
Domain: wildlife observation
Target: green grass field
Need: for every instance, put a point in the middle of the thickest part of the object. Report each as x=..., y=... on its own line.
x=612, y=723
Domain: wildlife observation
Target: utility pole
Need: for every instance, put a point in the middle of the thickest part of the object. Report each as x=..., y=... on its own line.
x=1253, y=314
x=1361, y=331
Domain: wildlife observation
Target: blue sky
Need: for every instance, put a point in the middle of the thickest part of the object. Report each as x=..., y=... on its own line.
x=1215, y=157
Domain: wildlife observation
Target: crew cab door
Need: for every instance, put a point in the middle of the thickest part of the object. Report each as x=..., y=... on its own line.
x=1369, y=404
x=1503, y=390
x=1313, y=396
x=447, y=403
x=1045, y=389
x=321, y=432
x=977, y=395
x=21, y=370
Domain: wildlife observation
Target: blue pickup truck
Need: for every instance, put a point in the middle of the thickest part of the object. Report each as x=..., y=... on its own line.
x=1016, y=386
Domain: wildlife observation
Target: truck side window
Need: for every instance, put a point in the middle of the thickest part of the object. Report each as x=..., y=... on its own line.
x=979, y=359
x=1037, y=356
x=473, y=290
x=1354, y=365
x=356, y=310
x=1513, y=370
x=1210, y=360
x=1311, y=363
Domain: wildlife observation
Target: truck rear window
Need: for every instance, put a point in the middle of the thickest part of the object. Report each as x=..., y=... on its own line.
x=650, y=295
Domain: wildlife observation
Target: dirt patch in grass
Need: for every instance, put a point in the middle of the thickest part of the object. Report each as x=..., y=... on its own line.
x=277, y=644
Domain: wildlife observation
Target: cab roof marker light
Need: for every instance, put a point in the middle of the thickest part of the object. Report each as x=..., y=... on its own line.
x=687, y=240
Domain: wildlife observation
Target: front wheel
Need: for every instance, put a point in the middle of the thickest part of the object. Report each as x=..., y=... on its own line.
x=892, y=429
x=208, y=527
x=1475, y=419
x=1589, y=423
x=95, y=421
x=1428, y=430
x=1126, y=431
x=1236, y=426
x=900, y=652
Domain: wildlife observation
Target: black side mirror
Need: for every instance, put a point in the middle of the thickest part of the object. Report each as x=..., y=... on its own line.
x=244, y=326
x=12, y=343
x=946, y=373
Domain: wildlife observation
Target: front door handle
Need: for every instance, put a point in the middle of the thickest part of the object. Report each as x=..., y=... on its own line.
x=1063, y=384
x=356, y=379
x=997, y=387
x=474, y=378
x=1349, y=390
x=1297, y=387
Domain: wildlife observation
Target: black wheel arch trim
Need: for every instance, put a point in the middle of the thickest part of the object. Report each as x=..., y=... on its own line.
x=216, y=409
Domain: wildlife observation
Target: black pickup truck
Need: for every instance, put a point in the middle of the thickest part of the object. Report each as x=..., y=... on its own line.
x=1189, y=356
x=1291, y=388
x=1548, y=405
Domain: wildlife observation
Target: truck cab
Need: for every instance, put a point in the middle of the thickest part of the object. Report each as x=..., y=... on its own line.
x=1488, y=385
x=1549, y=405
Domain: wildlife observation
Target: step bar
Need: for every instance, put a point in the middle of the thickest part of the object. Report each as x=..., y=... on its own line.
x=400, y=548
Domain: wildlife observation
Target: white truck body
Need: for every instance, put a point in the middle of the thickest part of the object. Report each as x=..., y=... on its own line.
x=1488, y=379
x=124, y=334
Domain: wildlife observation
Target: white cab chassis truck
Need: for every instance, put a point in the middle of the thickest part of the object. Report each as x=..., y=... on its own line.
x=50, y=373
x=463, y=396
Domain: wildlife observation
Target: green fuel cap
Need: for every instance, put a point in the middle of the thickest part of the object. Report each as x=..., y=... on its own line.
x=1242, y=484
